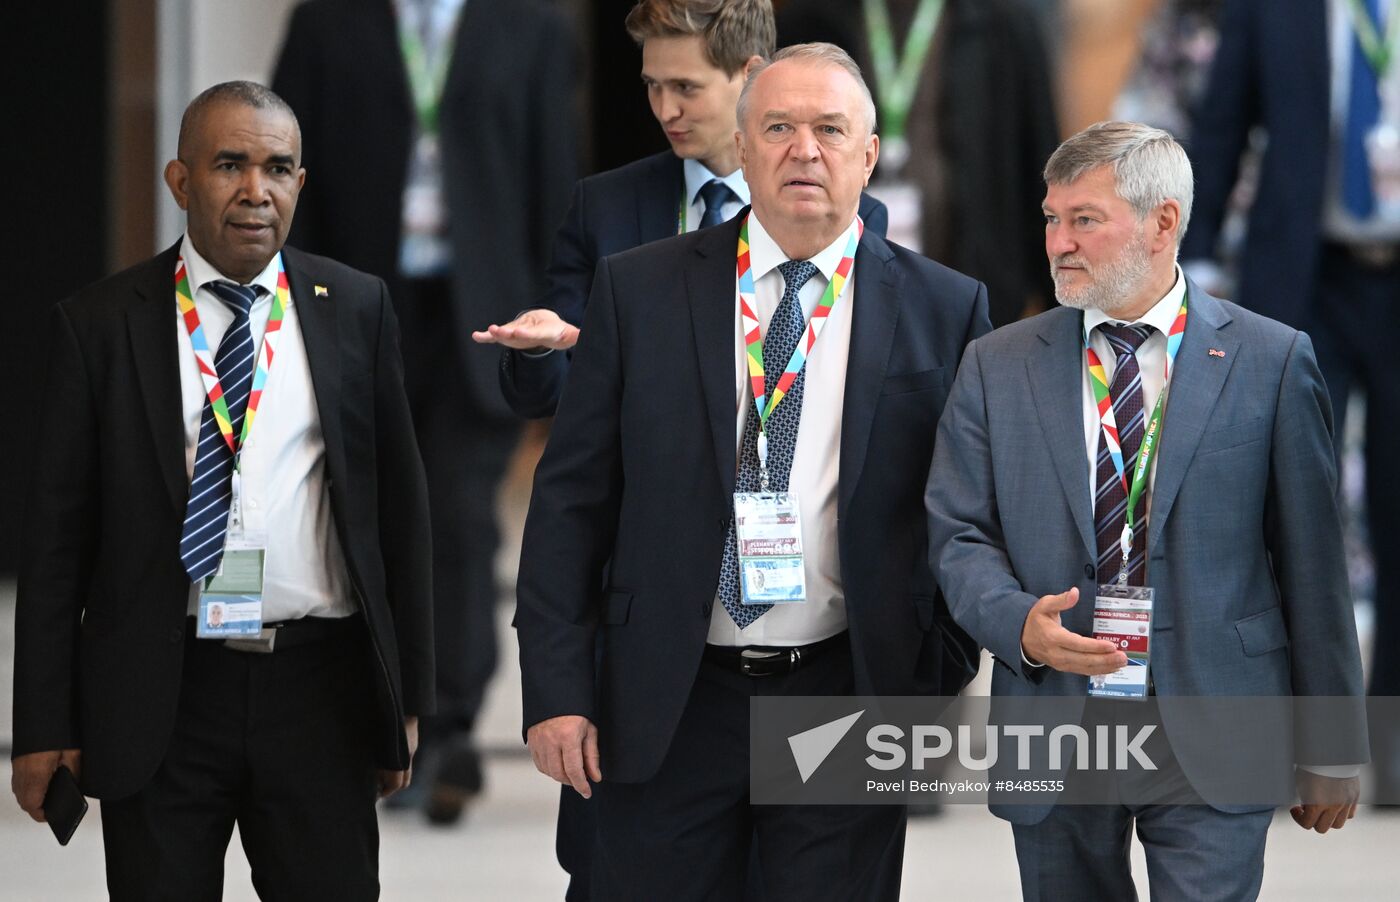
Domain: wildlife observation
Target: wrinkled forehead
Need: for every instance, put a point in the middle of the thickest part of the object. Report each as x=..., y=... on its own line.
x=230, y=124
x=806, y=89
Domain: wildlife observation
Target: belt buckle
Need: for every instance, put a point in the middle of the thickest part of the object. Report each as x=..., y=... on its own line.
x=748, y=656
x=261, y=644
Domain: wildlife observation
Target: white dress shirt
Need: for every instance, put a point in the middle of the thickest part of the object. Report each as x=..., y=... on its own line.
x=1151, y=356
x=816, y=463
x=698, y=176
x=283, y=463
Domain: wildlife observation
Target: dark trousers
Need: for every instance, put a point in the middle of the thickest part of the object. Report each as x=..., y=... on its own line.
x=280, y=744
x=688, y=833
x=1355, y=329
x=465, y=454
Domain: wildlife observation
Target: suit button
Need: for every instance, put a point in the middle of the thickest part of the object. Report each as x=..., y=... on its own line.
x=177, y=635
x=1089, y=570
x=705, y=609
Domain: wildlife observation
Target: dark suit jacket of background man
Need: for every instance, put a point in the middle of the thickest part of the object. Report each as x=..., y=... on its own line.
x=651, y=394
x=610, y=212
x=100, y=627
x=994, y=113
x=509, y=151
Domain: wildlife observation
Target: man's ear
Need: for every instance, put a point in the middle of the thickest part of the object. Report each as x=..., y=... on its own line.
x=177, y=177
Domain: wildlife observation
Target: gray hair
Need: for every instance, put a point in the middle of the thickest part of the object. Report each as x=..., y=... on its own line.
x=819, y=53
x=247, y=93
x=1149, y=166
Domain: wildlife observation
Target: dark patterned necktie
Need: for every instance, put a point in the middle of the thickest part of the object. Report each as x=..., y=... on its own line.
x=716, y=194
x=1110, y=501
x=784, y=332
x=206, y=514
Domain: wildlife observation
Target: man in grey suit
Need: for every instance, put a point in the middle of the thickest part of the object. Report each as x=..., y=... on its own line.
x=1234, y=525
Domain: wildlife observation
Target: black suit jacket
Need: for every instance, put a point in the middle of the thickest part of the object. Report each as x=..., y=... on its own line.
x=100, y=623
x=509, y=140
x=995, y=125
x=639, y=473
x=610, y=212
x=1272, y=69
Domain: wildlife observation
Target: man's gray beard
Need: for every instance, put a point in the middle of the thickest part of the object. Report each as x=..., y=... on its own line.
x=1113, y=284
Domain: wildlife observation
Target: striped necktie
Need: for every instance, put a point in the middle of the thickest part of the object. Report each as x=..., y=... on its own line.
x=1110, y=501
x=784, y=332
x=206, y=514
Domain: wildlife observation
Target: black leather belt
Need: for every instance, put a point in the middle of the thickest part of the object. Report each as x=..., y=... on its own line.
x=285, y=634
x=764, y=660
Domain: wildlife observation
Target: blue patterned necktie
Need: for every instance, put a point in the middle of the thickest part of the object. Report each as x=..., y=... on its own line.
x=716, y=194
x=206, y=514
x=1110, y=501
x=784, y=332
x=1363, y=112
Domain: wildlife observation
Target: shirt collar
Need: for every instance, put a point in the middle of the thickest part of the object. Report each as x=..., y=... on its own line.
x=1160, y=317
x=201, y=272
x=765, y=255
x=697, y=176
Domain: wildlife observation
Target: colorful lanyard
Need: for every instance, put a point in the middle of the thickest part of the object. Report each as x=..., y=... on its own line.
x=897, y=75
x=1103, y=397
x=682, y=210
x=1379, y=51
x=426, y=78
x=753, y=337
x=184, y=297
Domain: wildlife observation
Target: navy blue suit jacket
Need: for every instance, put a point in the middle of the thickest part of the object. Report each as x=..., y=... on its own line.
x=610, y=212
x=625, y=567
x=1272, y=69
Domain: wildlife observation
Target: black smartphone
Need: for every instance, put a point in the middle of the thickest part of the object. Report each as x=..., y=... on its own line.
x=64, y=805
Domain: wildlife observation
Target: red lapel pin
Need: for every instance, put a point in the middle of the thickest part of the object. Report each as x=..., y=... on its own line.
x=1216, y=352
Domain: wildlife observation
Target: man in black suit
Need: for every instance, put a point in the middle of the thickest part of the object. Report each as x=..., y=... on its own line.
x=695, y=57
x=1322, y=250
x=657, y=726
x=442, y=137
x=149, y=479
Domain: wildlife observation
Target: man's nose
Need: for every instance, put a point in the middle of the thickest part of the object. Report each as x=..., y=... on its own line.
x=805, y=145
x=255, y=187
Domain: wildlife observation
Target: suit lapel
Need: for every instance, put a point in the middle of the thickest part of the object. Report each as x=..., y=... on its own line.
x=1056, y=375
x=1197, y=379
x=873, y=321
x=710, y=289
x=658, y=198
x=153, y=326
x=319, y=320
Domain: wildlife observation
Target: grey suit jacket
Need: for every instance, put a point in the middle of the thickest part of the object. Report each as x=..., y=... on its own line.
x=1244, y=538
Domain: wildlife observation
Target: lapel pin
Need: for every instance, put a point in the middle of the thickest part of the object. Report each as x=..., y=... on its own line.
x=1214, y=352
x=321, y=292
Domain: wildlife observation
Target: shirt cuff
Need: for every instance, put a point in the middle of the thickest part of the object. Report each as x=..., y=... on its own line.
x=543, y=352
x=1335, y=771
x=1027, y=661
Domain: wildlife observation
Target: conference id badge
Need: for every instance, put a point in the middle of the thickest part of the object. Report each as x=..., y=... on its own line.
x=1383, y=154
x=768, y=531
x=230, y=602
x=1123, y=616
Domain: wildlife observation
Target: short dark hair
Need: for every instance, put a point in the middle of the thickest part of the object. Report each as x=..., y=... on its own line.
x=247, y=93
x=733, y=30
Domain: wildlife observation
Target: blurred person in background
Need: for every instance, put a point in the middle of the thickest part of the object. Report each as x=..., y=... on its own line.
x=967, y=112
x=443, y=142
x=695, y=56
x=151, y=481
x=1322, y=251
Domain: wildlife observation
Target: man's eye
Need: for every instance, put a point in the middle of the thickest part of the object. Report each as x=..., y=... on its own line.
x=1083, y=221
x=777, y=127
x=830, y=130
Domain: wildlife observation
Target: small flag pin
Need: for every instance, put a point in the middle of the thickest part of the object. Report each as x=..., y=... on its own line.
x=321, y=292
x=1216, y=352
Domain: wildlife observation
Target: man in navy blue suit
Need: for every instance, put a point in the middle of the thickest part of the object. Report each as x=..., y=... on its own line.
x=1322, y=254
x=695, y=57
x=640, y=645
